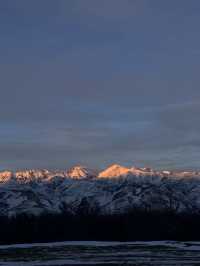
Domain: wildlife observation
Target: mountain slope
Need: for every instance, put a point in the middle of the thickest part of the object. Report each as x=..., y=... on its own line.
x=114, y=171
x=79, y=172
x=117, y=189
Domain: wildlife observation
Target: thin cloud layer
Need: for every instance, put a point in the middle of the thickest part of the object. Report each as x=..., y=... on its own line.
x=97, y=82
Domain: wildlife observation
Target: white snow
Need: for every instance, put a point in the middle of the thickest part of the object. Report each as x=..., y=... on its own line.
x=115, y=189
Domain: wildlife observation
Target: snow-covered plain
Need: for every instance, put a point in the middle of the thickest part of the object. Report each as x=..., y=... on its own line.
x=101, y=253
x=189, y=245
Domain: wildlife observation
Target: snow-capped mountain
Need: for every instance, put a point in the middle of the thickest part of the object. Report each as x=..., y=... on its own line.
x=115, y=189
x=5, y=176
x=80, y=172
x=115, y=171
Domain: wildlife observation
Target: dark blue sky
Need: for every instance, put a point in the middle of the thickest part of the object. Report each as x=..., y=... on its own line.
x=95, y=82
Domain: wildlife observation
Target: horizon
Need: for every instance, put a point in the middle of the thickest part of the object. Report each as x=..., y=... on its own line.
x=97, y=82
x=100, y=169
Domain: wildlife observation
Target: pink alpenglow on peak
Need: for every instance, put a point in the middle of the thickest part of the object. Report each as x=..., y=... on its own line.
x=26, y=176
x=81, y=172
x=118, y=171
x=115, y=171
x=5, y=176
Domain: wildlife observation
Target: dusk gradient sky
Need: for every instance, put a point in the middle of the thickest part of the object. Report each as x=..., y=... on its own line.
x=97, y=82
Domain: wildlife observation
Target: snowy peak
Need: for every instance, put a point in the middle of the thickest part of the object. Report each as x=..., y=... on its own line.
x=114, y=190
x=143, y=171
x=31, y=175
x=81, y=172
x=5, y=176
x=118, y=171
x=114, y=171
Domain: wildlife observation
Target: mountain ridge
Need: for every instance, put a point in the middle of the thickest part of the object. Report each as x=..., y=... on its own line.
x=82, y=172
x=116, y=189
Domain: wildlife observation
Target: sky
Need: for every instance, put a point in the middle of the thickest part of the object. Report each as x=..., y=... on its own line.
x=99, y=82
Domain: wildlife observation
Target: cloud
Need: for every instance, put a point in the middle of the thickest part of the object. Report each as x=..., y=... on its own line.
x=98, y=82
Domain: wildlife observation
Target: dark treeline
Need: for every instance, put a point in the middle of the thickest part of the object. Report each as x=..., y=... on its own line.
x=137, y=225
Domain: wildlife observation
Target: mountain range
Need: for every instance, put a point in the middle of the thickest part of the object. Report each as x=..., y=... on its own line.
x=117, y=189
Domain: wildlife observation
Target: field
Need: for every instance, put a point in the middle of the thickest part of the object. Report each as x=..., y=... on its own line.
x=101, y=253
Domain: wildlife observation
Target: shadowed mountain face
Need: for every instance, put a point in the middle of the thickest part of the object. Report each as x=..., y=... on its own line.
x=117, y=189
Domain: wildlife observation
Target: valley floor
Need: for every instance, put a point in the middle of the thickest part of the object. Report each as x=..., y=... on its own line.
x=101, y=253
